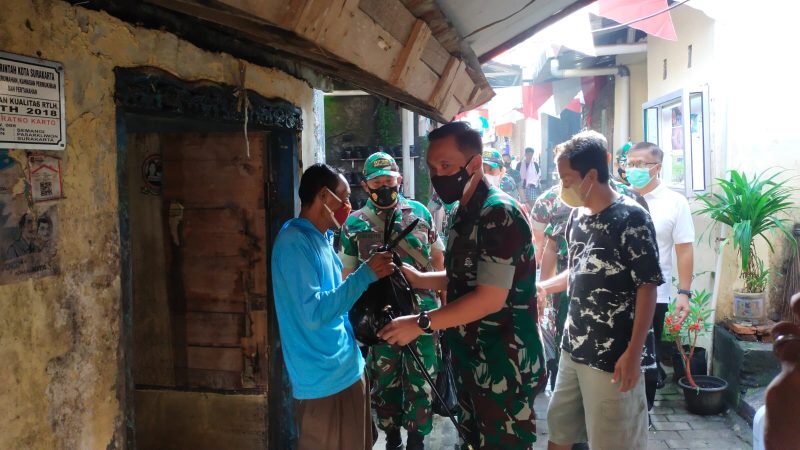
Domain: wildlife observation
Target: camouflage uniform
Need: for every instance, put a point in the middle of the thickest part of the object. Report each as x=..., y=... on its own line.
x=400, y=394
x=550, y=215
x=498, y=360
x=508, y=186
x=436, y=204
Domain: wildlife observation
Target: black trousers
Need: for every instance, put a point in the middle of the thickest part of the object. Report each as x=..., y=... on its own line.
x=651, y=377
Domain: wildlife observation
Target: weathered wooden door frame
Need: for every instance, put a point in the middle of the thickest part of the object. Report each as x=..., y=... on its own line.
x=155, y=101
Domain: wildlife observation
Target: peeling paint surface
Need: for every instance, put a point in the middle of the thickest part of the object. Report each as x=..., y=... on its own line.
x=60, y=336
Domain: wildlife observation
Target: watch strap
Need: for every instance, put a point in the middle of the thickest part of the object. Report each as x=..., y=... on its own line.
x=427, y=329
x=685, y=292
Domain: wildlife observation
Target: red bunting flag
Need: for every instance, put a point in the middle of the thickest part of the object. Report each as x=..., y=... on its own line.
x=533, y=97
x=624, y=11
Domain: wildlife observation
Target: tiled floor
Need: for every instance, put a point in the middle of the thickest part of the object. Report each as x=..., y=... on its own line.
x=674, y=427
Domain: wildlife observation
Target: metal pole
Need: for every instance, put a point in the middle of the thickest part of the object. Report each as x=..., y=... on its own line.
x=407, y=118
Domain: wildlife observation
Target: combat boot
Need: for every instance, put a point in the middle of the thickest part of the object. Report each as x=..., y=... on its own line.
x=415, y=441
x=393, y=439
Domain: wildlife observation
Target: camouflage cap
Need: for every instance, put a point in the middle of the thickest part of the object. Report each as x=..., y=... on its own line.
x=492, y=158
x=380, y=165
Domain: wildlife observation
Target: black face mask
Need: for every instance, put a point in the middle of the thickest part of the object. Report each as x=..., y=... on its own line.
x=451, y=187
x=384, y=196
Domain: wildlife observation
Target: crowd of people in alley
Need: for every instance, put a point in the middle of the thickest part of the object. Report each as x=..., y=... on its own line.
x=568, y=286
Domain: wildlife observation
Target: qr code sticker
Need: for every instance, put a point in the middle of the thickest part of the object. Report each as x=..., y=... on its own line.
x=46, y=189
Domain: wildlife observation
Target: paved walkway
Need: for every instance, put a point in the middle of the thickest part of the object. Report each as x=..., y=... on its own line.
x=673, y=427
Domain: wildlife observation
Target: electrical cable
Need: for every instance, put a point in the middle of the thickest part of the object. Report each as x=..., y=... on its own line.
x=623, y=25
x=498, y=21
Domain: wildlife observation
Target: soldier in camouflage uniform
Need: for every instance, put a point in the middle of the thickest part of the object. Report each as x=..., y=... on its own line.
x=400, y=394
x=495, y=172
x=491, y=317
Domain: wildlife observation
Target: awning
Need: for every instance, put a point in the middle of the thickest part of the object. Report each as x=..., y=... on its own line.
x=404, y=50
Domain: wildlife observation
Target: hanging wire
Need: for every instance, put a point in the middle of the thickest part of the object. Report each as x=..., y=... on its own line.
x=623, y=25
x=243, y=103
x=499, y=21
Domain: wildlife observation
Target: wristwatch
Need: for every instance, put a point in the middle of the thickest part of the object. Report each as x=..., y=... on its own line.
x=424, y=322
x=685, y=292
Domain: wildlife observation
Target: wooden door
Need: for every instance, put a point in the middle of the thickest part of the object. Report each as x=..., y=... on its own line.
x=214, y=199
x=199, y=260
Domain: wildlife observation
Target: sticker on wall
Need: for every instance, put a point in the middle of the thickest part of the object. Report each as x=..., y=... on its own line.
x=152, y=174
x=45, y=177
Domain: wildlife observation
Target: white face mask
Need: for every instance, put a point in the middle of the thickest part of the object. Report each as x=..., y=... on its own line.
x=494, y=180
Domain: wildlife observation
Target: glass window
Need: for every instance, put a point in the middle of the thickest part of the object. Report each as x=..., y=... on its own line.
x=682, y=138
x=673, y=144
x=696, y=129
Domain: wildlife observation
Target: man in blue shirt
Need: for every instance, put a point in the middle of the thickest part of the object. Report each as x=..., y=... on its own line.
x=312, y=301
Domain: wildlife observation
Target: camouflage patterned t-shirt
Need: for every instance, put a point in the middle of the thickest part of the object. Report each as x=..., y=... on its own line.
x=611, y=254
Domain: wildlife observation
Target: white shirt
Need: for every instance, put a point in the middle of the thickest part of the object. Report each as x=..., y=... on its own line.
x=528, y=173
x=673, y=222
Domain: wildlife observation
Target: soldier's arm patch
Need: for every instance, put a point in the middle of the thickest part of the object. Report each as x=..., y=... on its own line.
x=503, y=237
x=495, y=274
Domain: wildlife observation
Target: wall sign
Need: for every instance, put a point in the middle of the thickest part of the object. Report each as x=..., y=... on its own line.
x=31, y=103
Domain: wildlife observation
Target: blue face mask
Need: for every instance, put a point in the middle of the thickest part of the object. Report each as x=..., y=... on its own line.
x=638, y=177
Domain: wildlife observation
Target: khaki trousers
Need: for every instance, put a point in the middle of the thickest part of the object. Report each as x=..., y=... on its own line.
x=585, y=404
x=341, y=421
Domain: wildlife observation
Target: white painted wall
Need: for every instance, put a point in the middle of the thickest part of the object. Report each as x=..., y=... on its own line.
x=738, y=51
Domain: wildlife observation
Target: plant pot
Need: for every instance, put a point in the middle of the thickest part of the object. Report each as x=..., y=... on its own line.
x=749, y=307
x=698, y=363
x=706, y=399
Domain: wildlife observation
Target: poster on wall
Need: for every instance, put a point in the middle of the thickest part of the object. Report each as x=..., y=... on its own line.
x=28, y=231
x=31, y=103
x=45, y=177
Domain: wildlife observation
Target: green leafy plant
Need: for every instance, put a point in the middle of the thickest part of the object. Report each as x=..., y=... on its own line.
x=697, y=324
x=751, y=206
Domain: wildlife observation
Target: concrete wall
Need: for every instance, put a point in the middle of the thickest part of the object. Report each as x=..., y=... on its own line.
x=752, y=120
x=696, y=29
x=60, y=336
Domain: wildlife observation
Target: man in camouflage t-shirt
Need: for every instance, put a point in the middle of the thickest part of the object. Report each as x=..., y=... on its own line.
x=612, y=275
x=401, y=396
x=490, y=317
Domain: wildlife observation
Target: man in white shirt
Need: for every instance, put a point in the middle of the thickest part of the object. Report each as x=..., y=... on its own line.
x=529, y=175
x=674, y=231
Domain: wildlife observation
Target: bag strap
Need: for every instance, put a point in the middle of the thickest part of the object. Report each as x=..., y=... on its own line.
x=411, y=251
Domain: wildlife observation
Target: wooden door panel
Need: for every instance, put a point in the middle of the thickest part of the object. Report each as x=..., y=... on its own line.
x=220, y=252
x=213, y=278
x=215, y=358
x=214, y=329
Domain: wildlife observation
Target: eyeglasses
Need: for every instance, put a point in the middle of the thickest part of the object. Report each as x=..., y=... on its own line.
x=639, y=165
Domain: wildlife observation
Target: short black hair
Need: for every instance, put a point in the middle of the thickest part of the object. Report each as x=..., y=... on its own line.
x=529, y=150
x=586, y=151
x=44, y=220
x=468, y=140
x=654, y=149
x=316, y=178
x=23, y=220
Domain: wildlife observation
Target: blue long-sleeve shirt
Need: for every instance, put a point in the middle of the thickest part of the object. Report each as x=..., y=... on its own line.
x=319, y=348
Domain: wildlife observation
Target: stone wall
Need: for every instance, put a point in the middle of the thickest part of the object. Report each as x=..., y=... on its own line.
x=61, y=381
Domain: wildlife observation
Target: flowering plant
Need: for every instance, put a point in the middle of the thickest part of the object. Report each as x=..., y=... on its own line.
x=697, y=324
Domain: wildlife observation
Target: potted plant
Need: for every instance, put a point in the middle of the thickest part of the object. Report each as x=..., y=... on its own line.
x=750, y=206
x=703, y=393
